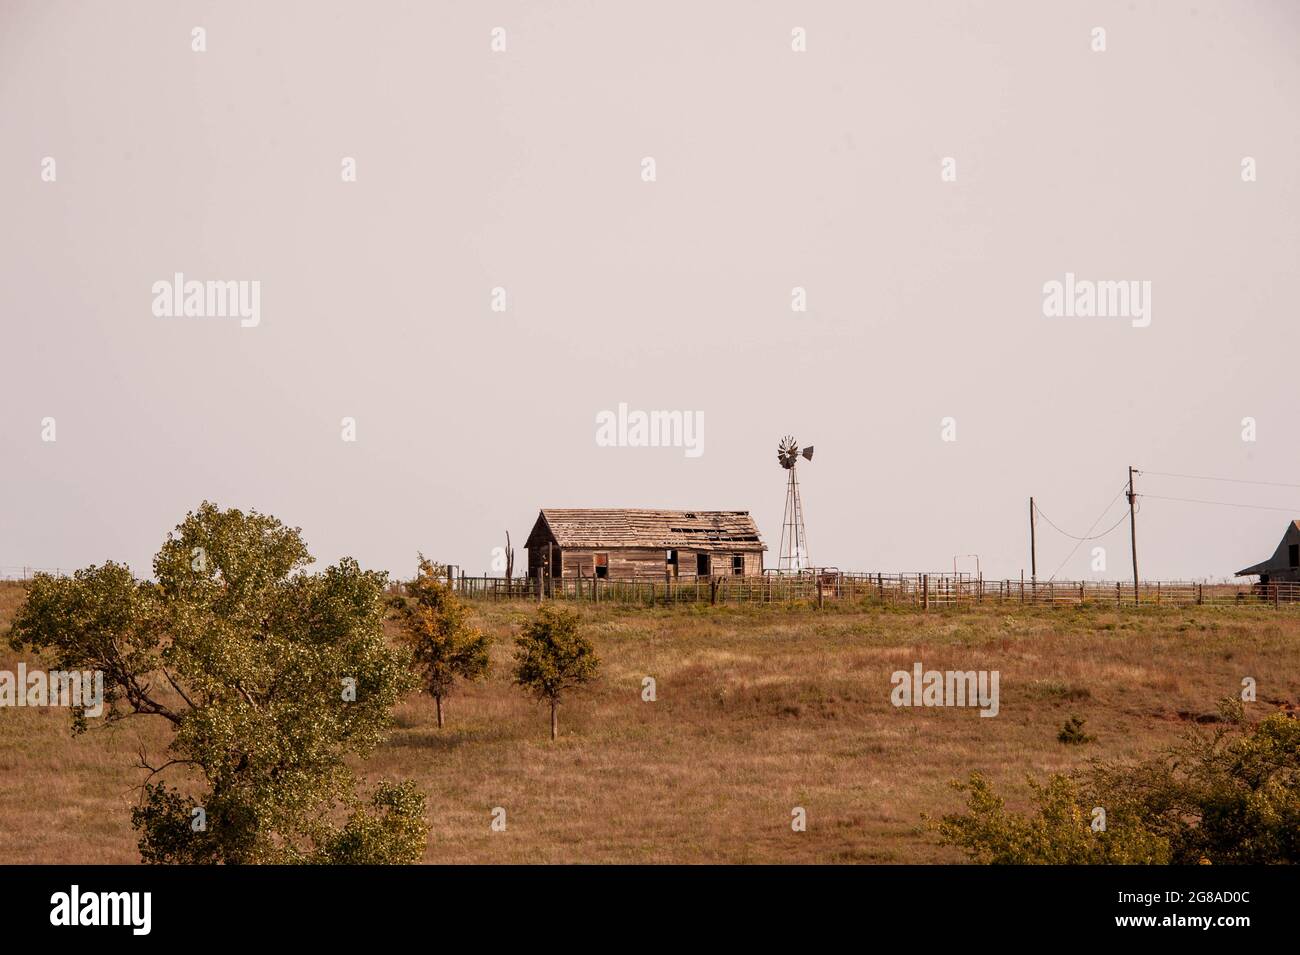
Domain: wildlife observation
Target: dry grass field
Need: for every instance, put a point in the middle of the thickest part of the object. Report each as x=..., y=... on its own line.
x=758, y=710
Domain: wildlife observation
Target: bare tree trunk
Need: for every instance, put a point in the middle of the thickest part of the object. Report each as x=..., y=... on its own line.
x=438, y=699
x=555, y=719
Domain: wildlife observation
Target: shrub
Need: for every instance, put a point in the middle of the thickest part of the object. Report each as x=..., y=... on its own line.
x=1058, y=832
x=1072, y=733
x=1232, y=710
x=1221, y=799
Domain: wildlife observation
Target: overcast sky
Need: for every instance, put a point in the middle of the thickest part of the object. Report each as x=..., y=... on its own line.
x=775, y=168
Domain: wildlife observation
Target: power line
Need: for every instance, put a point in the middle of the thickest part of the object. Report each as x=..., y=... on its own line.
x=1159, y=497
x=1075, y=537
x=1080, y=540
x=1254, y=507
x=1202, y=477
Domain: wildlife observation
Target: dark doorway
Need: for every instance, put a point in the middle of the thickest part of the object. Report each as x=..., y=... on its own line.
x=702, y=565
x=602, y=566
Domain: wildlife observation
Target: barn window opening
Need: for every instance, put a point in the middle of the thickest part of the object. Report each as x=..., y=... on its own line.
x=1293, y=551
x=738, y=564
x=702, y=565
x=602, y=566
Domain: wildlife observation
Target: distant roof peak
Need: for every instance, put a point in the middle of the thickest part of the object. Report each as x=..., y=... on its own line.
x=647, y=527
x=1281, y=559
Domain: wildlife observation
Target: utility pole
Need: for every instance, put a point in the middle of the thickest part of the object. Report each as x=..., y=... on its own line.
x=1033, y=545
x=1133, y=534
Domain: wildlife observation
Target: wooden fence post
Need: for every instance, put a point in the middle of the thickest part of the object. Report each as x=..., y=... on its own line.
x=925, y=592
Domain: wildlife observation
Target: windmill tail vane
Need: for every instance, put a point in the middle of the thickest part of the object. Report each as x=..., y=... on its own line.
x=794, y=538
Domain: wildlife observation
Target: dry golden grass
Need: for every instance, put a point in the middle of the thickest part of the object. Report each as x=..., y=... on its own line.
x=758, y=710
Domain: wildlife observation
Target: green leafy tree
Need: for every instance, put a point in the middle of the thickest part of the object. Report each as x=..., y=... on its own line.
x=444, y=644
x=552, y=657
x=270, y=679
x=1231, y=797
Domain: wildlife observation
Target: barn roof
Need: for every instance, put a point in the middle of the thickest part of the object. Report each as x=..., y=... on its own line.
x=633, y=527
x=1281, y=557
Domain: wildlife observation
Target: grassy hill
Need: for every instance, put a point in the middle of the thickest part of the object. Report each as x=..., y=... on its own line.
x=759, y=710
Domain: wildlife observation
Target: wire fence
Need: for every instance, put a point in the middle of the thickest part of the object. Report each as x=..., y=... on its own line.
x=923, y=590
x=27, y=573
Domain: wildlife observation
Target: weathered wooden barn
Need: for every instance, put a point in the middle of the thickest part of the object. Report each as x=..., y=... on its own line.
x=1284, y=565
x=623, y=543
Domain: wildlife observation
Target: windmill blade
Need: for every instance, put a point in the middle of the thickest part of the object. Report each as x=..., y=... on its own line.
x=807, y=452
x=787, y=451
